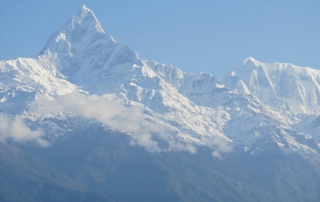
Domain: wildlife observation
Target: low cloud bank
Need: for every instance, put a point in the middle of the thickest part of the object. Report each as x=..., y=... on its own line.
x=111, y=111
x=220, y=145
x=13, y=128
x=106, y=109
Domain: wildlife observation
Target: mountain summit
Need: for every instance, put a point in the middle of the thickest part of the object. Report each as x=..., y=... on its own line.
x=281, y=85
x=84, y=23
x=111, y=113
x=80, y=58
x=81, y=45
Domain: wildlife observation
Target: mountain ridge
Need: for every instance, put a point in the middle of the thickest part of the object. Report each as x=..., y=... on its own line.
x=98, y=121
x=79, y=58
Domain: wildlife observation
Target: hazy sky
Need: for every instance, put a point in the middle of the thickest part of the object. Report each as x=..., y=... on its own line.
x=208, y=36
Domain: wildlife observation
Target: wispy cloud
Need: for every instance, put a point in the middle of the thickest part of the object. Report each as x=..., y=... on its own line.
x=152, y=134
x=13, y=128
x=106, y=109
x=111, y=111
x=220, y=145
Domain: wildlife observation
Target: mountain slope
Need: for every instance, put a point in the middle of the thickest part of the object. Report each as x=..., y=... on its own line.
x=84, y=82
x=80, y=58
x=24, y=177
x=106, y=163
x=281, y=85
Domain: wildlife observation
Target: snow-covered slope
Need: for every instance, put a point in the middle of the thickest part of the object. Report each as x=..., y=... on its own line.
x=24, y=79
x=281, y=85
x=82, y=51
x=291, y=90
x=179, y=108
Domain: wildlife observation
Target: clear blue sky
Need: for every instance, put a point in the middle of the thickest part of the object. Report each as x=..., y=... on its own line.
x=209, y=36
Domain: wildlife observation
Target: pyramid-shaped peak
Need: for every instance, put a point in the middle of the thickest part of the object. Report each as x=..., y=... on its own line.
x=85, y=11
x=84, y=8
x=81, y=46
x=251, y=60
x=76, y=32
x=85, y=17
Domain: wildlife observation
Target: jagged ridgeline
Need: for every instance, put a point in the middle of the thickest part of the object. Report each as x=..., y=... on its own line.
x=89, y=120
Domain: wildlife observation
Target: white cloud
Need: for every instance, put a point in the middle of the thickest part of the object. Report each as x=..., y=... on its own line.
x=143, y=137
x=13, y=128
x=220, y=145
x=111, y=111
x=106, y=109
x=145, y=140
x=216, y=154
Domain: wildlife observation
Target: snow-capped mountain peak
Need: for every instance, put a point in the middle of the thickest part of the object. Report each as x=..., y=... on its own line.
x=86, y=95
x=86, y=15
x=84, y=24
x=250, y=60
x=81, y=47
x=284, y=86
x=192, y=107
